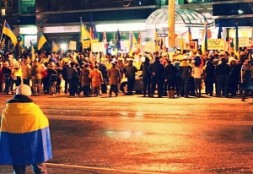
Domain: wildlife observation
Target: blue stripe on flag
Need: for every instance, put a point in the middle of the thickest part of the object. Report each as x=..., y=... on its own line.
x=27, y=148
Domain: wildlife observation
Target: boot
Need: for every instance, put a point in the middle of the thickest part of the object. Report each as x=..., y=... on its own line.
x=169, y=94
x=172, y=93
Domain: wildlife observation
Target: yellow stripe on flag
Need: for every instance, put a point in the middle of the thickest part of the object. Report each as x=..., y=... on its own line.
x=8, y=32
x=42, y=41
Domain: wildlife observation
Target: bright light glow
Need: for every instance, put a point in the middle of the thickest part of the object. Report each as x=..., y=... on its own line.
x=64, y=46
x=3, y=12
x=240, y=11
x=28, y=30
x=120, y=27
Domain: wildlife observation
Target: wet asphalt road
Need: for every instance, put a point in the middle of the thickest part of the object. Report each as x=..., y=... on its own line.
x=132, y=134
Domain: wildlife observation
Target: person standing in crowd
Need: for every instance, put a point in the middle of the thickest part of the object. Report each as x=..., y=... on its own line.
x=146, y=78
x=114, y=79
x=103, y=69
x=52, y=74
x=85, y=80
x=247, y=78
x=6, y=71
x=233, y=78
x=96, y=80
x=26, y=71
x=66, y=76
x=129, y=72
x=156, y=70
x=17, y=74
x=197, y=74
x=73, y=79
x=170, y=75
x=185, y=71
x=209, y=77
x=222, y=74
x=24, y=134
x=37, y=72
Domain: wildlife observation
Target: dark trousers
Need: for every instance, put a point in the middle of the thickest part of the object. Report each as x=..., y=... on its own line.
x=37, y=168
x=222, y=87
x=209, y=87
x=130, y=85
x=146, y=86
x=26, y=81
x=159, y=82
x=73, y=85
x=113, y=88
x=7, y=82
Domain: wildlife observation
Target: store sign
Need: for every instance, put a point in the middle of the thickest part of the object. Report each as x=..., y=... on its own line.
x=244, y=42
x=215, y=44
x=61, y=29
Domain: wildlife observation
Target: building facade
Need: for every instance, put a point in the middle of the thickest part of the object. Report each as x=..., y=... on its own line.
x=59, y=20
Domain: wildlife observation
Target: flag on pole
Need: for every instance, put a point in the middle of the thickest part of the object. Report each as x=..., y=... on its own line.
x=93, y=29
x=157, y=47
x=236, y=36
x=139, y=43
x=105, y=40
x=118, y=38
x=189, y=35
x=55, y=47
x=132, y=42
x=204, y=42
x=84, y=34
x=219, y=36
x=8, y=32
x=32, y=52
x=42, y=41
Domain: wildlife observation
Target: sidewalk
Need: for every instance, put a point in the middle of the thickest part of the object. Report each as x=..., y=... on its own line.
x=72, y=169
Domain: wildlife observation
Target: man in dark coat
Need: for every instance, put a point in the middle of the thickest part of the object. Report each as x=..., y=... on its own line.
x=156, y=70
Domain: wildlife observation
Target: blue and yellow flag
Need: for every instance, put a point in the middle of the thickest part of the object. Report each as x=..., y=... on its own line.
x=132, y=42
x=8, y=32
x=42, y=41
x=84, y=34
x=118, y=38
x=24, y=135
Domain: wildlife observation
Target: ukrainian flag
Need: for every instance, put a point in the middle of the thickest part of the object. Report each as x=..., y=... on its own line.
x=8, y=32
x=24, y=137
x=42, y=41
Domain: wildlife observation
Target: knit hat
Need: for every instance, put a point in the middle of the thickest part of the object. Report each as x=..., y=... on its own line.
x=24, y=89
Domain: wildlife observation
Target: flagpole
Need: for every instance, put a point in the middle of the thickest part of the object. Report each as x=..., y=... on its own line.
x=2, y=32
x=171, y=23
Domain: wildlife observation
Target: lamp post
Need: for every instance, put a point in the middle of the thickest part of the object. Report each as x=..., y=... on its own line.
x=171, y=23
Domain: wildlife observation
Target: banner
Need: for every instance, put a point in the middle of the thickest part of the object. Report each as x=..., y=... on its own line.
x=244, y=42
x=149, y=46
x=215, y=44
x=72, y=45
x=98, y=47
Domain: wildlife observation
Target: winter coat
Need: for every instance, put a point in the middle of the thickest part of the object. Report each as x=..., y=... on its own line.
x=26, y=71
x=114, y=76
x=96, y=78
x=85, y=79
x=185, y=70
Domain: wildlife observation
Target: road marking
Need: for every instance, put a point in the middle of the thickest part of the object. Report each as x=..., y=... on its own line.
x=100, y=168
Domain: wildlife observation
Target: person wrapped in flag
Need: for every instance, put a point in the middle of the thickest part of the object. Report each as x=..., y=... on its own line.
x=24, y=134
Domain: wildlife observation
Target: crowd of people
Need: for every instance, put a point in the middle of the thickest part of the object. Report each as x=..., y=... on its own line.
x=83, y=73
